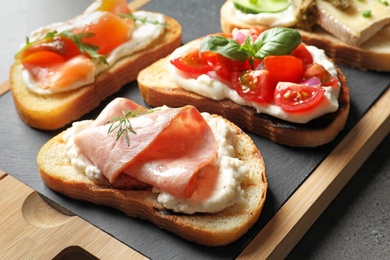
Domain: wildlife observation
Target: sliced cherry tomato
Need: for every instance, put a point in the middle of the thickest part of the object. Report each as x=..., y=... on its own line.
x=284, y=68
x=297, y=97
x=318, y=71
x=195, y=63
x=224, y=67
x=254, y=85
x=205, y=62
x=302, y=53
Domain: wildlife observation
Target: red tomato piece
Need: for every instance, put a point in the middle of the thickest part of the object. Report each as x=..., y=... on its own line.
x=302, y=53
x=195, y=63
x=318, y=71
x=225, y=67
x=284, y=68
x=293, y=97
x=254, y=85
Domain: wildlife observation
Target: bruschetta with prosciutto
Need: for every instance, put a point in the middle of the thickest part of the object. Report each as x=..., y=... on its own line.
x=194, y=174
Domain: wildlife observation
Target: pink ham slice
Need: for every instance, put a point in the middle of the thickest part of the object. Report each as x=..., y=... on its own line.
x=169, y=148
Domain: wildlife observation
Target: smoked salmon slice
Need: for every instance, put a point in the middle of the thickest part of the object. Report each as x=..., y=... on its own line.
x=99, y=29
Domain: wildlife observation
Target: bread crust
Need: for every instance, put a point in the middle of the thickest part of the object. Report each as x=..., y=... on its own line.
x=215, y=229
x=49, y=112
x=157, y=88
x=369, y=56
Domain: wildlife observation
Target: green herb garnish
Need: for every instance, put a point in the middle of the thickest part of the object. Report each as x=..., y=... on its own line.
x=142, y=20
x=367, y=14
x=122, y=124
x=384, y=2
x=85, y=48
x=28, y=43
x=275, y=41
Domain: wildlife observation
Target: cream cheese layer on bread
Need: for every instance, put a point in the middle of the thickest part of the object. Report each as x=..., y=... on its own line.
x=211, y=85
x=120, y=34
x=188, y=157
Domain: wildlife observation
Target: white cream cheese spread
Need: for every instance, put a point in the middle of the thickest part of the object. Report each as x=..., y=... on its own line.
x=210, y=87
x=143, y=34
x=76, y=158
x=218, y=186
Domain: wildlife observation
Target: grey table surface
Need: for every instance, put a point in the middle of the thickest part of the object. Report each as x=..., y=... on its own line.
x=356, y=225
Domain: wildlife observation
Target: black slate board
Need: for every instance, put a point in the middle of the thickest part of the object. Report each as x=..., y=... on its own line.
x=287, y=168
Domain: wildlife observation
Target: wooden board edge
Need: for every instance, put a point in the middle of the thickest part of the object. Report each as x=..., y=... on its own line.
x=24, y=210
x=4, y=87
x=2, y=174
x=297, y=215
x=136, y=4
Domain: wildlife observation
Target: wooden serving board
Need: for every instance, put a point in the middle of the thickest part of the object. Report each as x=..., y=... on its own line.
x=33, y=229
x=297, y=215
x=300, y=188
x=26, y=216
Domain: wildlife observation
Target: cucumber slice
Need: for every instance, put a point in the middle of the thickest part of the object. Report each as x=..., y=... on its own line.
x=261, y=6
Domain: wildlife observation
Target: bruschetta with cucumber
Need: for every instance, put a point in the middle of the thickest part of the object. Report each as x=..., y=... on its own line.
x=352, y=33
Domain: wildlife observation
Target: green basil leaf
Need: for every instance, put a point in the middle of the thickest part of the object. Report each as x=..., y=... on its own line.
x=248, y=46
x=225, y=46
x=277, y=41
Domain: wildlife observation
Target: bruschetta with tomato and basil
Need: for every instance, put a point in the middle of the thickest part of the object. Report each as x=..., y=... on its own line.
x=266, y=81
x=64, y=70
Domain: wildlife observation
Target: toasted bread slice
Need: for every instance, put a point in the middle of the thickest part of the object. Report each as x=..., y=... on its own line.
x=373, y=54
x=139, y=201
x=54, y=111
x=157, y=88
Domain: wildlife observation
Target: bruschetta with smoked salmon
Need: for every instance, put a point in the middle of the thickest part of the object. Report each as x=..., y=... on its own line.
x=64, y=70
x=352, y=33
x=266, y=81
x=194, y=174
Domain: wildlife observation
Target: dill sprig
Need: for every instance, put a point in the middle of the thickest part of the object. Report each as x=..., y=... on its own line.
x=142, y=20
x=122, y=123
x=85, y=48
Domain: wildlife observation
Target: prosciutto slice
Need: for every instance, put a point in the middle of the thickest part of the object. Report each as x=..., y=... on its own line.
x=168, y=149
